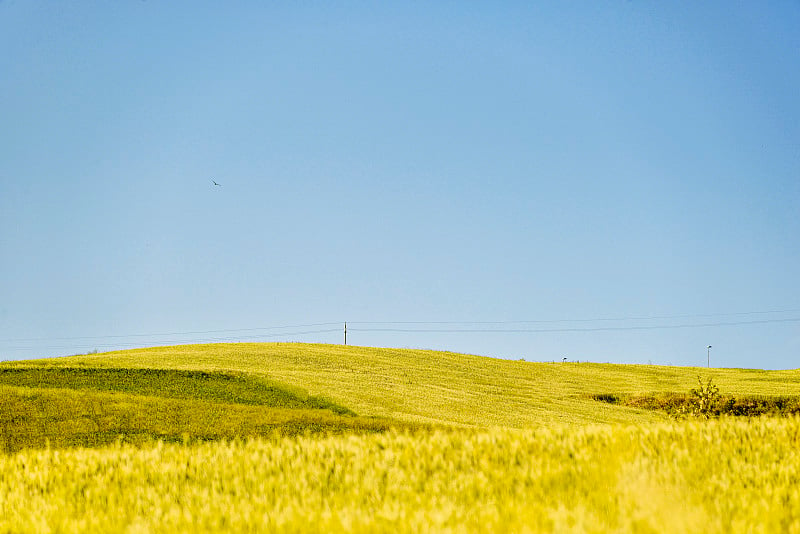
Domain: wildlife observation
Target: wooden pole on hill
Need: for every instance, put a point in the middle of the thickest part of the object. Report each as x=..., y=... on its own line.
x=345, y=332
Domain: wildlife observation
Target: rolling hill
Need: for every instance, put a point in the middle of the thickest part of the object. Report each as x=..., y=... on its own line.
x=429, y=387
x=298, y=437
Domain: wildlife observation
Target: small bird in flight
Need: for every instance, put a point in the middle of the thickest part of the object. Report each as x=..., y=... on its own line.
x=215, y=183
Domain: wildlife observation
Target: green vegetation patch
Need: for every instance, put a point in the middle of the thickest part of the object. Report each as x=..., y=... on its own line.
x=680, y=404
x=228, y=387
x=63, y=418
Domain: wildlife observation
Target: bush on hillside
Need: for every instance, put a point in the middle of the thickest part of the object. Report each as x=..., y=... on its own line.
x=706, y=402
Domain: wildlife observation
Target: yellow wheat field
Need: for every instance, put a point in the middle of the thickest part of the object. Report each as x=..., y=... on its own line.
x=447, y=388
x=717, y=476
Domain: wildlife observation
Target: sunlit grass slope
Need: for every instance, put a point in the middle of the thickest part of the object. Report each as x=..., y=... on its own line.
x=88, y=406
x=59, y=407
x=442, y=387
x=227, y=387
x=36, y=418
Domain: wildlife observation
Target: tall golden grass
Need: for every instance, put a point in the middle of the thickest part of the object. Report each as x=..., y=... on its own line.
x=717, y=476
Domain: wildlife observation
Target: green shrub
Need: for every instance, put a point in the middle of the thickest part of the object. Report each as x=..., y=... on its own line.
x=705, y=399
x=707, y=402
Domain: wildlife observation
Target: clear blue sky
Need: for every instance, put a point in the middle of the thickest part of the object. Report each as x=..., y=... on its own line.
x=447, y=162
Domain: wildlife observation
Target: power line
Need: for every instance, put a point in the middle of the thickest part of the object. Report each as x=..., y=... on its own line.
x=488, y=327
x=122, y=336
x=176, y=341
x=576, y=329
x=599, y=319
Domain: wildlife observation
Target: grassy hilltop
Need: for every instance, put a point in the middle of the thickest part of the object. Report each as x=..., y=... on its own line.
x=445, y=387
x=420, y=386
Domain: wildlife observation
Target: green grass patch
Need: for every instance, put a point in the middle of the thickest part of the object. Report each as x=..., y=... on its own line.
x=85, y=406
x=61, y=418
x=228, y=387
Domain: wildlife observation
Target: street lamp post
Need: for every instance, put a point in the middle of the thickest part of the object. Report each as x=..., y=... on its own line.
x=708, y=356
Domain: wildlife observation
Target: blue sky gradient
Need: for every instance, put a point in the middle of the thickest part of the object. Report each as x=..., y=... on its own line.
x=568, y=163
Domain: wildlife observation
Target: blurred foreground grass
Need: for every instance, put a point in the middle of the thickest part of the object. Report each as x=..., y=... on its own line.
x=711, y=476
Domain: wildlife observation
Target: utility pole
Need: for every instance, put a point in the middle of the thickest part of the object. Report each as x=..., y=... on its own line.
x=345, y=332
x=708, y=356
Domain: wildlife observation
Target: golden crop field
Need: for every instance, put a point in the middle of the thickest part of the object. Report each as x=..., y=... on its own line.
x=442, y=387
x=281, y=437
x=718, y=476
